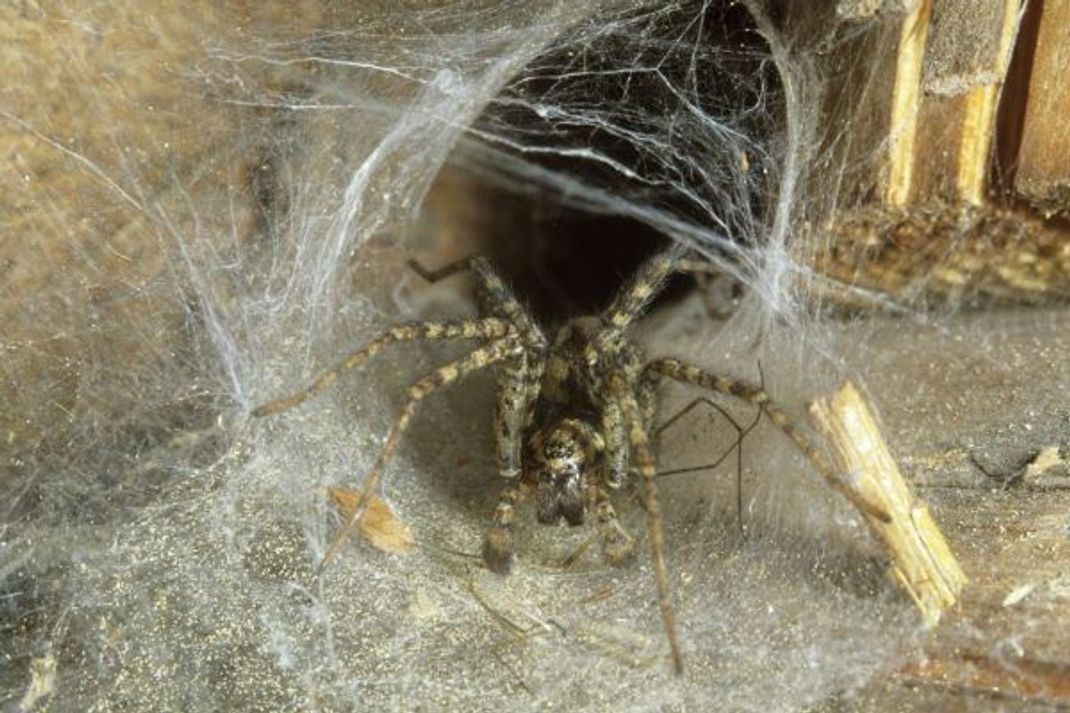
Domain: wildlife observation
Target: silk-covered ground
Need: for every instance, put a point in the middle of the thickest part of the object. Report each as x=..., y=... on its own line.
x=203, y=207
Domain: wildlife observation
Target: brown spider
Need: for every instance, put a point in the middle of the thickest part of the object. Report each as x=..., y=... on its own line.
x=573, y=417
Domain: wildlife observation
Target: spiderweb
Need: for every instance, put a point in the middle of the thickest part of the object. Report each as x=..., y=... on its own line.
x=243, y=229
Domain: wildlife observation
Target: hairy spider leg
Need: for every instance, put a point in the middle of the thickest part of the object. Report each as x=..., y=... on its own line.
x=614, y=423
x=639, y=441
x=480, y=358
x=514, y=409
x=495, y=296
x=518, y=383
x=611, y=345
x=489, y=328
x=630, y=302
x=498, y=538
x=688, y=374
x=616, y=443
x=646, y=393
x=500, y=301
x=618, y=546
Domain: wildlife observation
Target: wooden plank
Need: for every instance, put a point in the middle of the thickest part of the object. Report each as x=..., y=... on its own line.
x=1043, y=170
x=906, y=98
x=966, y=58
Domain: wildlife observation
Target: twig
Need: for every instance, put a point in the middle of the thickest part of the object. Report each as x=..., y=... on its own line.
x=922, y=562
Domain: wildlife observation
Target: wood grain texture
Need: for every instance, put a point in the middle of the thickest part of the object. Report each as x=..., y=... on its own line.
x=1043, y=171
x=922, y=563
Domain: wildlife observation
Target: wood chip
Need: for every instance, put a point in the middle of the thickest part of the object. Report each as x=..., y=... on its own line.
x=922, y=563
x=1018, y=594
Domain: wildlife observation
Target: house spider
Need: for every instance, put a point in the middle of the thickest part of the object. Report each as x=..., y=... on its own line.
x=573, y=416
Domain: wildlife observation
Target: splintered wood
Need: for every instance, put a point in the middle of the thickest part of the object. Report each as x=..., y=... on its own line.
x=1042, y=173
x=922, y=563
x=950, y=66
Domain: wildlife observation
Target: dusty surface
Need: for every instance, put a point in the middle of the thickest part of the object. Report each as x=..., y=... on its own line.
x=208, y=598
x=968, y=406
x=161, y=568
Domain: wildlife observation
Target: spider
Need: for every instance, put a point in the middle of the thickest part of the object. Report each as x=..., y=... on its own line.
x=573, y=417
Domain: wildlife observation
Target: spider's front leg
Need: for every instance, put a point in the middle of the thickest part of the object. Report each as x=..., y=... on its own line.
x=498, y=539
x=517, y=391
x=618, y=547
x=486, y=356
x=518, y=384
x=616, y=439
x=518, y=388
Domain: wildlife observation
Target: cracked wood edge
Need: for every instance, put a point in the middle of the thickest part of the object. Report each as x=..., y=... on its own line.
x=906, y=100
x=922, y=562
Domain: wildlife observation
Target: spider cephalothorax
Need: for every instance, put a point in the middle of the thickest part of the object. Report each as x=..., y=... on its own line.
x=573, y=415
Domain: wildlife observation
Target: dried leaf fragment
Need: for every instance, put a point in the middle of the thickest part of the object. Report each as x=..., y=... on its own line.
x=379, y=525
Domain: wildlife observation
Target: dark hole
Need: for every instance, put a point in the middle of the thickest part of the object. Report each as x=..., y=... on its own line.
x=564, y=262
x=693, y=63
